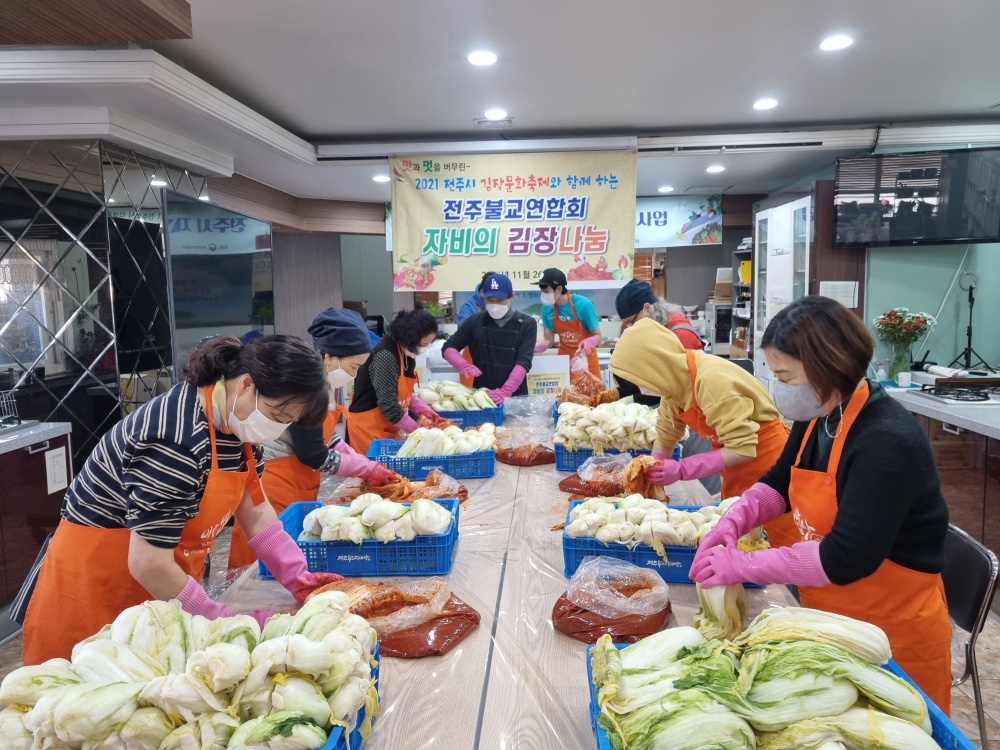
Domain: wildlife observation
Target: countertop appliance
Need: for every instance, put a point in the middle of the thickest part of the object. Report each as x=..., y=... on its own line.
x=960, y=392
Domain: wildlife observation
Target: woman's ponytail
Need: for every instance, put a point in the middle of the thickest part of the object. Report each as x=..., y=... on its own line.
x=217, y=358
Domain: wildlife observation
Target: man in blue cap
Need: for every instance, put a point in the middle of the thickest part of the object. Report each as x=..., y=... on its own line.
x=501, y=341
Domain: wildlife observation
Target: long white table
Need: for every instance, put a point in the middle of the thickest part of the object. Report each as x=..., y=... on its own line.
x=515, y=682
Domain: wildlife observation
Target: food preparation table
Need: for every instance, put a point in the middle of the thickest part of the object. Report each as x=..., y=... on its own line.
x=516, y=682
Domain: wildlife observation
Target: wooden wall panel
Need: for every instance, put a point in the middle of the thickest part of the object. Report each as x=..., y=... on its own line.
x=307, y=279
x=737, y=210
x=827, y=262
x=90, y=21
x=260, y=201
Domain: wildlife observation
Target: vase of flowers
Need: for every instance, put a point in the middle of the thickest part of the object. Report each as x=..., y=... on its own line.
x=900, y=329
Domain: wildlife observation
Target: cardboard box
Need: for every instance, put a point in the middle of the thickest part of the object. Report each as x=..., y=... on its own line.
x=724, y=290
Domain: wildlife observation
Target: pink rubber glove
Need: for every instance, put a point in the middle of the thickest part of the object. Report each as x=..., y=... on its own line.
x=798, y=565
x=342, y=447
x=195, y=601
x=353, y=465
x=418, y=407
x=757, y=506
x=666, y=471
x=465, y=368
x=589, y=344
x=377, y=475
x=407, y=424
x=541, y=346
x=513, y=382
x=282, y=556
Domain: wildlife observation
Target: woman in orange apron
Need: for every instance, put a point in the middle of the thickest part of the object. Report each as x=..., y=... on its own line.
x=141, y=516
x=859, y=481
x=294, y=461
x=716, y=400
x=581, y=333
x=383, y=388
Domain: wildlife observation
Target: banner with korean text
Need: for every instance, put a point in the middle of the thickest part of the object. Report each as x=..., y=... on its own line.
x=456, y=217
x=678, y=221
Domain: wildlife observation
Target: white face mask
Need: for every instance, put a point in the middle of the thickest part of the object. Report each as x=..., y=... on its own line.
x=548, y=298
x=420, y=350
x=338, y=378
x=256, y=428
x=497, y=311
x=799, y=403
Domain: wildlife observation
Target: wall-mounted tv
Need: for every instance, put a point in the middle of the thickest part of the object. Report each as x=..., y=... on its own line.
x=923, y=198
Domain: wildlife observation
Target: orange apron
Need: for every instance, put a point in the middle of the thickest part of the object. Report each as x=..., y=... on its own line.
x=286, y=480
x=84, y=581
x=371, y=425
x=908, y=605
x=467, y=355
x=571, y=333
x=736, y=480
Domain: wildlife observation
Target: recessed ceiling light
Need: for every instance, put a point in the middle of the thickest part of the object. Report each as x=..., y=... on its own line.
x=495, y=114
x=381, y=178
x=111, y=200
x=766, y=103
x=835, y=42
x=482, y=57
x=203, y=198
x=715, y=169
x=664, y=189
x=158, y=181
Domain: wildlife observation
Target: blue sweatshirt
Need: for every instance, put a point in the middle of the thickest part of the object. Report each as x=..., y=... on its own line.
x=471, y=307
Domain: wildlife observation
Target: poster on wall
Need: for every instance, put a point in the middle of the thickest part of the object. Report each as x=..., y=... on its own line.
x=455, y=217
x=678, y=221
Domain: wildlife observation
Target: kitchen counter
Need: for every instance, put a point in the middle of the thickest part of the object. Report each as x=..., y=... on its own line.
x=31, y=435
x=984, y=420
x=515, y=682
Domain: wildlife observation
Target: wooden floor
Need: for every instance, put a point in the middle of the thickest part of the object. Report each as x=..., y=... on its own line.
x=515, y=682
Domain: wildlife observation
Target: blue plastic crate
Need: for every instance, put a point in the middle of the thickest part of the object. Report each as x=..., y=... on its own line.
x=944, y=731
x=474, y=418
x=425, y=555
x=555, y=412
x=336, y=740
x=674, y=569
x=567, y=460
x=476, y=465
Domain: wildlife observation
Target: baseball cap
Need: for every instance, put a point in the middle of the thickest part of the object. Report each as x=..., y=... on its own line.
x=552, y=277
x=497, y=285
x=633, y=297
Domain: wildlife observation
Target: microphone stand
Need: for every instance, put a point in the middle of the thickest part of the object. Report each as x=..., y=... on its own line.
x=969, y=352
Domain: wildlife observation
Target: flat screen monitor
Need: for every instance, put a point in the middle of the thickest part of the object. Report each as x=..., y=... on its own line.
x=928, y=197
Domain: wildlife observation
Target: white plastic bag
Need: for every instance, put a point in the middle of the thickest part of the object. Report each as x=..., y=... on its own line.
x=616, y=588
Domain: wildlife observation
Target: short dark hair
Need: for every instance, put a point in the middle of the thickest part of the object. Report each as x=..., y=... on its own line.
x=831, y=342
x=409, y=326
x=281, y=367
x=479, y=287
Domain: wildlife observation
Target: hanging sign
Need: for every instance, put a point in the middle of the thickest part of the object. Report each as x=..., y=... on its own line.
x=456, y=217
x=678, y=221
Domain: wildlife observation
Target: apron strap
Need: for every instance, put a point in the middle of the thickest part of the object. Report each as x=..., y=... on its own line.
x=209, y=389
x=693, y=371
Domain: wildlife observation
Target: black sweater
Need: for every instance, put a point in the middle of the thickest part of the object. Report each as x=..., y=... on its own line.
x=889, y=497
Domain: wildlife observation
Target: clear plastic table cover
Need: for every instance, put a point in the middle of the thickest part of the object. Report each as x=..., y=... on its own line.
x=515, y=682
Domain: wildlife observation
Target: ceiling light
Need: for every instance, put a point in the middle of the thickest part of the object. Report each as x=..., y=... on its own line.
x=203, y=198
x=111, y=200
x=495, y=114
x=381, y=178
x=715, y=169
x=664, y=189
x=157, y=181
x=835, y=42
x=482, y=57
x=766, y=103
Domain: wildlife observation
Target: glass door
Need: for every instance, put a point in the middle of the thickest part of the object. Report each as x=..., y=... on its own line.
x=760, y=269
x=800, y=248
